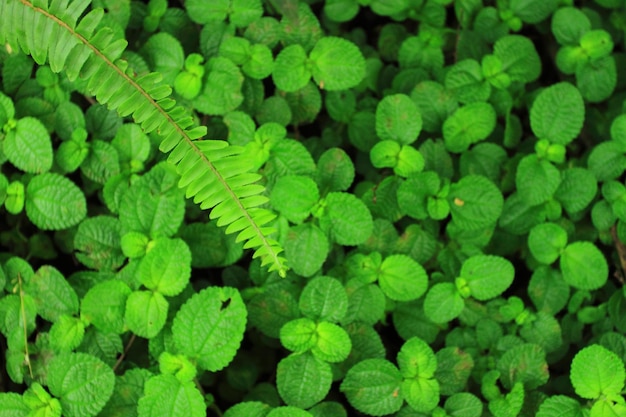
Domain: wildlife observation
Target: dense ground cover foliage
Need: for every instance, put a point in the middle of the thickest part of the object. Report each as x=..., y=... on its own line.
x=322, y=208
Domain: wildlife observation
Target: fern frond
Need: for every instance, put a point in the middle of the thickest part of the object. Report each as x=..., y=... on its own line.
x=215, y=174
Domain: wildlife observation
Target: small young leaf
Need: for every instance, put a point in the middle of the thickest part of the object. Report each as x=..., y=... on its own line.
x=596, y=371
x=53, y=202
x=146, y=313
x=337, y=64
x=487, y=276
x=558, y=113
x=81, y=382
x=166, y=267
x=583, y=266
x=398, y=119
x=209, y=327
x=372, y=386
x=421, y=394
x=166, y=396
x=324, y=298
x=402, y=279
x=303, y=380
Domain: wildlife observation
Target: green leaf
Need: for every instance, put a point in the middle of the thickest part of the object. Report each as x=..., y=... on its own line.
x=597, y=80
x=53, y=202
x=533, y=11
x=443, y=303
x=288, y=411
x=12, y=405
x=346, y=219
x=475, y=202
x=416, y=359
x=454, y=367
x=324, y=298
x=537, y=180
x=248, y=409
x=303, y=380
x=294, y=197
x=548, y=291
x=583, y=266
x=465, y=80
x=299, y=335
x=146, y=313
x=337, y=64
x=209, y=245
x=166, y=268
x=372, y=386
x=366, y=303
x=97, y=243
x=607, y=161
x=577, y=189
x=66, y=334
x=52, y=294
x=463, y=404
x=101, y=163
x=222, y=91
x=546, y=241
x=28, y=146
x=209, y=327
x=487, y=276
x=558, y=113
x=333, y=343
x=421, y=394
x=128, y=390
x=467, y=125
x=166, y=396
x=335, y=170
x=402, y=279
x=569, y=24
x=560, y=406
x=524, y=363
x=341, y=10
x=398, y=119
x=596, y=372
x=153, y=205
x=104, y=306
x=290, y=70
x=519, y=58
x=81, y=382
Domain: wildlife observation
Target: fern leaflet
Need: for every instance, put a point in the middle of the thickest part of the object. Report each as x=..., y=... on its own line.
x=215, y=174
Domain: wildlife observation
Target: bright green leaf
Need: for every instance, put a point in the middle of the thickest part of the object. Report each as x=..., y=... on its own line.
x=303, y=380
x=209, y=327
x=596, y=371
x=558, y=113
x=402, y=279
x=53, y=202
x=81, y=382
x=166, y=267
x=583, y=266
x=146, y=313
